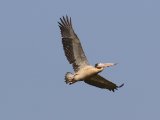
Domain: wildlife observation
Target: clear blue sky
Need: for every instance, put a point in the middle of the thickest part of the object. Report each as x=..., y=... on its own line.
x=32, y=61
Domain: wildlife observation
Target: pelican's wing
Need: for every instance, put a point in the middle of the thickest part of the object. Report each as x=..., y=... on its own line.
x=101, y=82
x=71, y=44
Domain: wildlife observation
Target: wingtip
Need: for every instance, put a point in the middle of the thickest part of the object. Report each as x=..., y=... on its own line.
x=121, y=85
x=65, y=20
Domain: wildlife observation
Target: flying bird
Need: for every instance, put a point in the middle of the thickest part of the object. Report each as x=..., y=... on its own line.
x=83, y=71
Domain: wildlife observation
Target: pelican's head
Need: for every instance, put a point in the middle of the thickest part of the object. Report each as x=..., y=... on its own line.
x=104, y=65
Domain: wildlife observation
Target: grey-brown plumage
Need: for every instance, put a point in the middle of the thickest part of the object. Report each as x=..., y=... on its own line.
x=76, y=56
x=71, y=44
x=101, y=82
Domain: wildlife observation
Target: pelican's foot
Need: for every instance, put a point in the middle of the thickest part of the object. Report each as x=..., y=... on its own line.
x=70, y=81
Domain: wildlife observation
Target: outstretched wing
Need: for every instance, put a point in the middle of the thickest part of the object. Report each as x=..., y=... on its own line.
x=71, y=44
x=101, y=82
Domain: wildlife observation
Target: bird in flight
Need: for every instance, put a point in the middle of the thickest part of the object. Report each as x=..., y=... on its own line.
x=83, y=71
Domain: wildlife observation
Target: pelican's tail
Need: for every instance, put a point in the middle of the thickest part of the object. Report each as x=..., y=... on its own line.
x=69, y=77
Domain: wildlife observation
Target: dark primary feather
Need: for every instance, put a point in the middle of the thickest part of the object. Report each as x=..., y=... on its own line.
x=101, y=82
x=71, y=44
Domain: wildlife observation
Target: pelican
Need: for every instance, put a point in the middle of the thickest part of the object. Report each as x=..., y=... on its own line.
x=74, y=53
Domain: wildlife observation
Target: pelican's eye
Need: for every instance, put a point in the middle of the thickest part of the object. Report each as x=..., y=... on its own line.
x=98, y=65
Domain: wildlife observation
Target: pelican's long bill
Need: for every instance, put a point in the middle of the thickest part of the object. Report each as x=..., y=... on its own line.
x=104, y=65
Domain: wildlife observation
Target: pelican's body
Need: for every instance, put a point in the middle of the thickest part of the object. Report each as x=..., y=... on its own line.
x=86, y=72
x=75, y=55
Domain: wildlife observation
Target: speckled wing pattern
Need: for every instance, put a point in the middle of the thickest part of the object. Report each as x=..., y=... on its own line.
x=71, y=44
